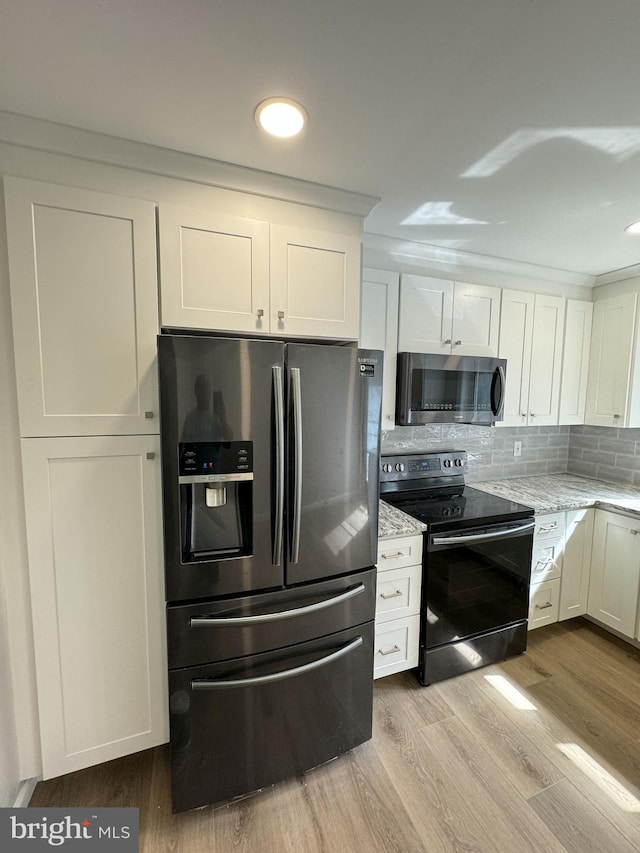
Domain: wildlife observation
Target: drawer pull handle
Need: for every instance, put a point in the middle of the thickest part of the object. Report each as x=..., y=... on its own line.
x=546, y=528
x=391, y=594
x=633, y=532
x=542, y=564
x=392, y=651
x=392, y=556
x=544, y=606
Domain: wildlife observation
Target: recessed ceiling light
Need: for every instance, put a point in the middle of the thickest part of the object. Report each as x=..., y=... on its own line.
x=280, y=117
x=634, y=228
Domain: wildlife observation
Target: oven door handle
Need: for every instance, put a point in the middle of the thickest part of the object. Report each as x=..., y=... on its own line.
x=500, y=533
x=219, y=684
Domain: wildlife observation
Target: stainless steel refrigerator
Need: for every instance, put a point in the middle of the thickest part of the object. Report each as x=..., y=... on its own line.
x=270, y=466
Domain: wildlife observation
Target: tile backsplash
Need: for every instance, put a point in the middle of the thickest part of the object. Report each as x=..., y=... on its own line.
x=545, y=450
x=606, y=453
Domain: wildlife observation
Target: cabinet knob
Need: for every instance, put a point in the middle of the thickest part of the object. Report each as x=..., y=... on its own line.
x=260, y=312
x=633, y=532
x=457, y=343
x=280, y=315
x=151, y=455
x=148, y=415
x=616, y=416
x=531, y=415
x=448, y=341
x=523, y=414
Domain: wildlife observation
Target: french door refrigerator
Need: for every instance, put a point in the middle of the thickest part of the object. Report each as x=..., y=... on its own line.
x=270, y=487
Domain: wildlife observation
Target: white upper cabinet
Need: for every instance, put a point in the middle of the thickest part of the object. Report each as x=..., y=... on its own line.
x=83, y=274
x=236, y=274
x=379, y=330
x=611, y=400
x=214, y=270
x=438, y=316
x=575, y=361
x=531, y=336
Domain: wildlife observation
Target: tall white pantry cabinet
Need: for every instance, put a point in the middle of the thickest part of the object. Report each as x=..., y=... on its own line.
x=83, y=278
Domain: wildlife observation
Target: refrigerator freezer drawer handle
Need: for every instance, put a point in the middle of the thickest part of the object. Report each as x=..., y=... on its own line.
x=278, y=399
x=206, y=621
x=296, y=402
x=204, y=684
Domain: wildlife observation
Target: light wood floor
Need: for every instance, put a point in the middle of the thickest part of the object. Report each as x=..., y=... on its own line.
x=457, y=766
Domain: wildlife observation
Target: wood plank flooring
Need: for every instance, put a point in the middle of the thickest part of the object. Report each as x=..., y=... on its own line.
x=539, y=753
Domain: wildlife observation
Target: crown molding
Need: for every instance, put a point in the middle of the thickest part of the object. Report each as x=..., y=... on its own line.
x=618, y=275
x=399, y=254
x=54, y=138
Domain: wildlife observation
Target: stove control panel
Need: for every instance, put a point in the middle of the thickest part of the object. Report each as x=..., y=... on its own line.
x=419, y=466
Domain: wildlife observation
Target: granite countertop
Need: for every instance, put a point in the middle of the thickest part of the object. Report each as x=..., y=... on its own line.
x=557, y=492
x=394, y=522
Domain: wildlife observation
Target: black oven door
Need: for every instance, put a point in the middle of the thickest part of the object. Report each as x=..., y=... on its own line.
x=476, y=581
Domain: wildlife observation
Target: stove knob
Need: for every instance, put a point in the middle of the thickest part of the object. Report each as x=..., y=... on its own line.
x=399, y=466
x=447, y=463
x=459, y=463
x=386, y=468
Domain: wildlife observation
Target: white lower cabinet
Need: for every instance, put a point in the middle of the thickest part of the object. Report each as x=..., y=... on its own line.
x=614, y=585
x=95, y=562
x=399, y=581
x=560, y=566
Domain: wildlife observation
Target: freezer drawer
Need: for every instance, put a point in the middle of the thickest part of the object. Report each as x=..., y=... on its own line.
x=250, y=722
x=220, y=630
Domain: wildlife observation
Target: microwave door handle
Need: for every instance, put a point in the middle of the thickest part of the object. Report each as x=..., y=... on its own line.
x=497, y=400
x=278, y=408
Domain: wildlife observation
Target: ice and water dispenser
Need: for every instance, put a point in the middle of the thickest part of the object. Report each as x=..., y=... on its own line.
x=216, y=498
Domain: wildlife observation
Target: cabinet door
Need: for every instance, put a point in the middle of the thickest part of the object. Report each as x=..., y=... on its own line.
x=379, y=330
x=426, y=314
x=476, y=319
x=575, y=361
x=610, y=360
x=83, y=276
x=615, y=572
x=315, y=283
x=546, y=360
x=576, y=565
x=214, y=270
x=95, y=565
x=516, y=334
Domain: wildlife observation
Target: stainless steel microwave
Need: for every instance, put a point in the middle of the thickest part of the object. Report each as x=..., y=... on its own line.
x=458, y=389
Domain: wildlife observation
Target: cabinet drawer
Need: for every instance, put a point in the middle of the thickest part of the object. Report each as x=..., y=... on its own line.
x=549, y=526
x=396, y=646
x=398, y=593
x=400, y=551
x=546, y=560
x=544, y=599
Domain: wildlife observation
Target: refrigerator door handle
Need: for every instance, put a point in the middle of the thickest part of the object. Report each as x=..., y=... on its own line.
x=296, y=404
x=217, y=684
x=278, y=400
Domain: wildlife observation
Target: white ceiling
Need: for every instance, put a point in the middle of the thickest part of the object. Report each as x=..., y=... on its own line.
x=509, y=128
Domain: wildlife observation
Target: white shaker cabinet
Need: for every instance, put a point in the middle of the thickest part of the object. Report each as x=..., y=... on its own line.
x=95, y=565
x=379, y=330
x=614, y=585
x=576, y=564
x=399, y=585
x=575, y=361
x=531, y=337
x=236, y=274
x=439, y=316
x=83, y=274
x=612, y=399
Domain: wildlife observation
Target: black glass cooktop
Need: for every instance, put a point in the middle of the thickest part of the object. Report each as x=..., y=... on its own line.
x=460, y=506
